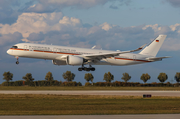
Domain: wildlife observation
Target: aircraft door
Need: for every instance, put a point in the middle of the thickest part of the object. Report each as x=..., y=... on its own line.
x=25, y=48
x=134, y=57
x=31, y=48
x=54, y=50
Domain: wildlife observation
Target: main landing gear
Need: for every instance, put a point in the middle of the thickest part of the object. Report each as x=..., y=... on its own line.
x=86, y=69
x=17, y=62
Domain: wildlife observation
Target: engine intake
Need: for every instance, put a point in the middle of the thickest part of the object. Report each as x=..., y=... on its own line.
x=75, y=60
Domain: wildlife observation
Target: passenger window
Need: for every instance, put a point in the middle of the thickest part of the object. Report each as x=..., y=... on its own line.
x=14, y=47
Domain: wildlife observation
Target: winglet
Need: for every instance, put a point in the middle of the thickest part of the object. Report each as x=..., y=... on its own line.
x=140, y=48
x=93, y=47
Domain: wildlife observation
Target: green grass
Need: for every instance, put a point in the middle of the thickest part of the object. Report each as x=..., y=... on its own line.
x=86, y=105
x=85, y=88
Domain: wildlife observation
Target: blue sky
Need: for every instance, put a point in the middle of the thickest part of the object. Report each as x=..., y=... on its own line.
x=109, y=24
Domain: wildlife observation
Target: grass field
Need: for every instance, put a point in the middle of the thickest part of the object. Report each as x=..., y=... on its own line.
x=86, y=105
x=85, y=88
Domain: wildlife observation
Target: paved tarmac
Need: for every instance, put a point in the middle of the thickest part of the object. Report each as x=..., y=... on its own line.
x=120, y=93
x=142, y=116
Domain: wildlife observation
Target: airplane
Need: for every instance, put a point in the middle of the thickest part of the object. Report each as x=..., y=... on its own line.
x=62, y=55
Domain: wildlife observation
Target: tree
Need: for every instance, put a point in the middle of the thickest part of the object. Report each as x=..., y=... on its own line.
x=108, y=77
x=68, y=76
x=126, y=77
x=49, y=76
x=28, y=77
x=177, y=77
x=7, y=76
x=145, y=77
x=162, y=77
x=89, y=77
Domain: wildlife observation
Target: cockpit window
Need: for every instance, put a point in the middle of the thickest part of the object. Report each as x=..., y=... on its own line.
x=14, y=47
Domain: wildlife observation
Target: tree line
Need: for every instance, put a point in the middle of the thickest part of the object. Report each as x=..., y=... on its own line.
x=69, y=77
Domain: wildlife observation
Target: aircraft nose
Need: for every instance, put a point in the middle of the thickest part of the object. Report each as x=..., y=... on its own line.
x=8, y=51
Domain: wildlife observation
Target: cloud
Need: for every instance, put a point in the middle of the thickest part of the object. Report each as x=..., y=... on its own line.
x=126, y=2
x=76, y=3
x=106, y=26
x=172, y=44
x=28, y=23
x=174, y=3
x=55, y=28
x=10, y=10
x=40, y=8
x=175, y=27
x=10, y=38
x=36, y=37
x=69, y=21
x=47, y=6
x=113, y=7
x=7, y=13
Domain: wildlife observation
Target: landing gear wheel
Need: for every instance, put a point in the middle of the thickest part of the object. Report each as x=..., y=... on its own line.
x=87, y=69
x=17, y=62
x=80, y=69
x=17, y=58
x=92, y=69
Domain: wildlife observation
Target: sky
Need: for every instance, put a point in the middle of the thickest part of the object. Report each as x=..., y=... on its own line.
x=108, y=24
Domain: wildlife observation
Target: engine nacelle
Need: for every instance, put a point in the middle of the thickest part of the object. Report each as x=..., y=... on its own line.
x=58, y=62
x=74, y=60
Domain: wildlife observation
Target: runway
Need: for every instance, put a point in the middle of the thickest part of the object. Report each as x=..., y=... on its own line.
x=120, y=93
x=138, y=116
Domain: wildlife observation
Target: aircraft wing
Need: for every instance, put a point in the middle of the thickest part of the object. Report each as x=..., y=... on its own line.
x=112, y=54
x=156, y=58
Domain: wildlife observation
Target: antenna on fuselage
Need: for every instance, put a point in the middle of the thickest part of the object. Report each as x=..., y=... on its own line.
x=93, y=47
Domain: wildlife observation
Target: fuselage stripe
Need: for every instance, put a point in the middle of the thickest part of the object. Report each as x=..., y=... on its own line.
x=76, y=54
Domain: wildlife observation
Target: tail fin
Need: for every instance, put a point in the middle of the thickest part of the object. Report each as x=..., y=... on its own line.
x=153, y=48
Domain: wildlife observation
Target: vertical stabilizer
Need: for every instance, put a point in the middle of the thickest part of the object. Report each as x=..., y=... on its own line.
x=153, y=48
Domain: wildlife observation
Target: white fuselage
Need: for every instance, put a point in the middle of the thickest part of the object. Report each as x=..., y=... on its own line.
x=53, y=52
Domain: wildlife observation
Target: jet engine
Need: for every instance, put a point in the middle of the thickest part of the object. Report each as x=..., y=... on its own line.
x=58, y=62
x=75, y=60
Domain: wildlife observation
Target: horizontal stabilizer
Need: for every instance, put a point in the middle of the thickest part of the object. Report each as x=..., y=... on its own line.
x=156, y=58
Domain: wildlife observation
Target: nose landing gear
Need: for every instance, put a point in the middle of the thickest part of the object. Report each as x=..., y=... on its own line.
x=17, y=62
